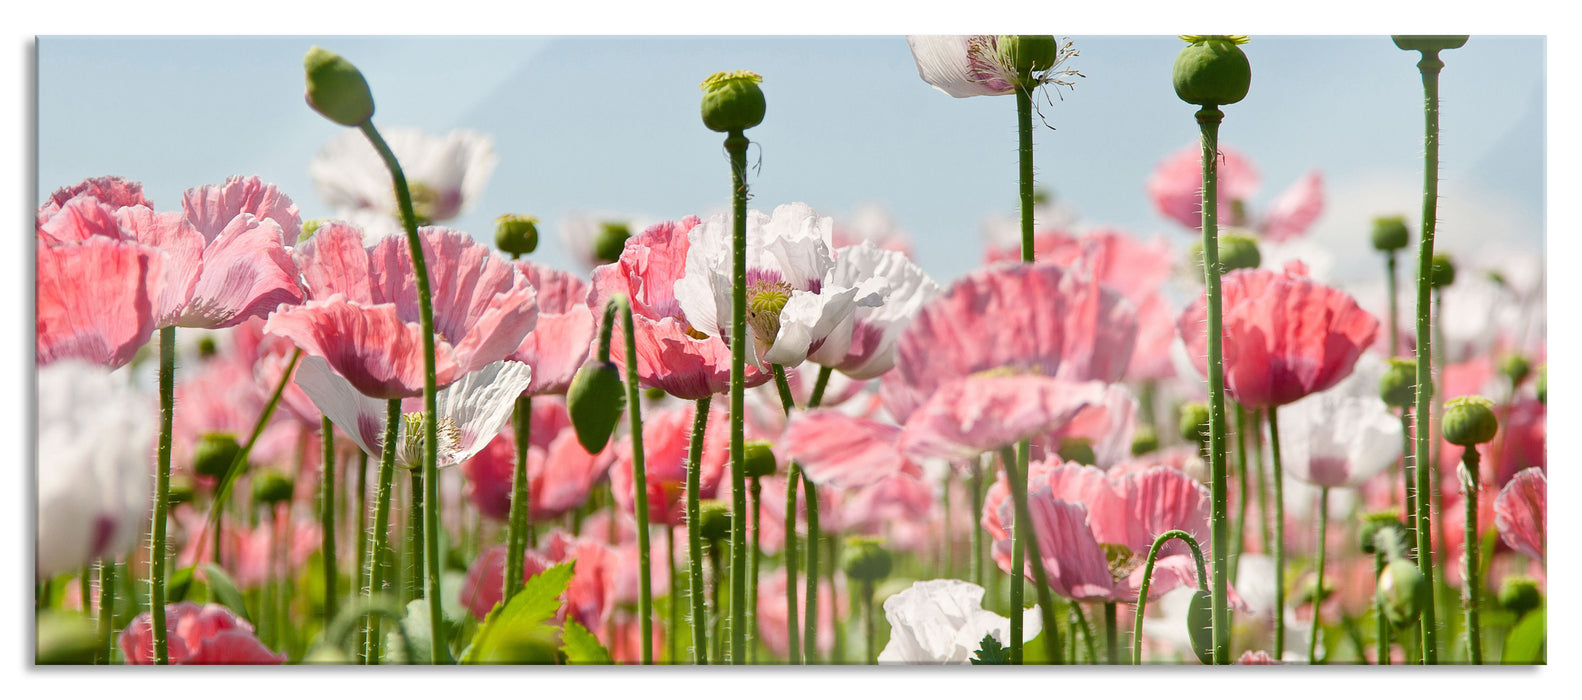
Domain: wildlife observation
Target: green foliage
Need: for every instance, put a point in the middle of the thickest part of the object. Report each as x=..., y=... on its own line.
x=223, y=590
x=514, y=632
x=991, y=653
x=178, y=586
x=1525, y=644
x=581, y=647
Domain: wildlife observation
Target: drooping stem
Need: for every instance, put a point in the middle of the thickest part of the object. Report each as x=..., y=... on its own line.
x=327, y=522
x=736, y=145
x=106, y=648
x=223, y=492
x=156, y=566
x=1016, y=476
x=379, y=559
x=1279, y=535
x=1111, y=634
x=439, y=649
x=516, y=535
x=1318, y=585
x=700, y=622
x=1208, y=120
x=1471, y=574
x=1148, y=574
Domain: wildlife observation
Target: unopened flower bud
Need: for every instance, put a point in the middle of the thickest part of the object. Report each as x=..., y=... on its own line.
x=714, y=520
x=1076, y=449
x=1441, y=271
x=207, y=347
x=1144, y=440
x=336, y=89
x=271, y=487
x=1029, y=53
x=1390, y=234
x=310, y=227
x=759, y=459
x=516, y=234
x=1398, y=385
x=595, y=401
x=181, y=491
x=1515, y=368
x=1373, y=523
x=214, y=455
x=611, y=241
x=1212, y=70
x=733, y=101
x=1542, y=385
x=654, y=393
x=864, y=559
x=1236, y=251
x=1200, y=625
x=1469, y=421
x=1519, y=594
x=1402, y=592
x=1311, y=593
x=1194, y=422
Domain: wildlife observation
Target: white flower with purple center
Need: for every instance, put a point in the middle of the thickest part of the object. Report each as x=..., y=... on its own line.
x=1342, y=437
x=873, y=332
x=795, y=305
x=970, y=65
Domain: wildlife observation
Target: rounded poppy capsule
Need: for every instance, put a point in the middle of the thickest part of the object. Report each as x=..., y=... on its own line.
x=595, y=401
x=1236, y=251
x=1212, y=70
x=1515, y=368
x=1076, y=449
x=214, y=455
x=611, y=241
x=181, y=491
x=207, y=347
x=1145, y=440
x=1469, y=421
x=272, y=487
x=759, y=458
x=733, y=101
x=865, y=559
x=336, y=89
x=1398, y=386
x=1441, y=271
x=1383, y=521
x=1389, y=233
x=1519, y=594
x=714, y=520
x=516, y=234
x=1200, y=625
x=1194, y=422
x=1402, y=592
x=1029, y=53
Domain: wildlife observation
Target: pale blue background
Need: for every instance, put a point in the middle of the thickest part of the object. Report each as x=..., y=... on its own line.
x=610, y=125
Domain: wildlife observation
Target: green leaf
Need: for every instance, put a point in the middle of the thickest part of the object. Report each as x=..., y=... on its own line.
x=223, y=591
x=1525, y=644
x=515, y=631
x=179, y=584
x=581, y=647
x=991, y=653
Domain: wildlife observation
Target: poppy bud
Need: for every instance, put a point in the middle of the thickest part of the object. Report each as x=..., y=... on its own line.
x=1543, y=384
x=733, y=101
x=336, y=89
x=1469, y=421
x=1076, y=449
x=271, y=487
x=864, y=559
x=654, y=393
x=516, y=234
x=1398, y=386
x=207, y=348
x=1236, y=251
x=310, y=227
x=1402, y=592
x=214, y=455
x=1194, y=422
x=1515, y=368
x=611, y=241
x=1212, y=70
x=714, y=520
x=759, y=458
x=595, y=401
x=1519, y=594
x=1200, y=625
x=1389, y=233
x=1145, y=440
x=1441, y=272
x=1029, y=53
x=180, y=492
x=1383, y=521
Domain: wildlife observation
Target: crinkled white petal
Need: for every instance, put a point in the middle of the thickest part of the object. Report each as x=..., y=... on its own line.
x=1347, y=422
x=809, y=317
x=942, y=62
x=796, y=241
x=908, y=288
x=943, y=622
x=355, y=413
x=704, y=292
x=479, y=404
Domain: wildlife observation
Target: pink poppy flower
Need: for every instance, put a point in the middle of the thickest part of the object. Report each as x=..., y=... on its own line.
x=667, y=438
x=560, y=473
x=843, y=451
x=1105, y=425
x=590, y=595
x=247, y=551
x=1285, y=337
x=1176, y=190
x=970, y=416
x=93, y=300
x=112, y=190
x=1521, y=512
x=772, y=612
x=560, y=341
x=364, y=317
x=210, y=634
x=870, y=334
x=671, y=354
x=1256, y=658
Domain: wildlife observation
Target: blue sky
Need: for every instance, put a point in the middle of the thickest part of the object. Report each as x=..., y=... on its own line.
x=610, y=125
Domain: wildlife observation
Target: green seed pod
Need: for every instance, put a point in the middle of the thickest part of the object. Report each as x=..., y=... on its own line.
x=1520, y=595
x=654, y=393
x=595, y=401
x=181, y=491
x=271, y=487
x=759, y=458
x=1029, y=53
x=1428, y=43
x=1076, y=449
x=1194, y=422
x=63, y=638
x=1144, y=440
x=516, y=234
x=1311, y=593
x=1388, y=521
x=1515, y=368
x=1236, y=250
x=1212, y=70
x=207, y=347
x=1389, y=234
x=1469, y=421
x=336, y=89
x=214, y=455
x=865, y=559
x=1398, y=386
x=1543, y=384
x=733, y=101
x=1402, y=592
x=611, y=241
x=1200, y=625
x=714, y=520
x=1441, y=272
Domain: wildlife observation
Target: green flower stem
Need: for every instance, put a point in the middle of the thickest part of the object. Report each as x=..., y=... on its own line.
x=736, y=145
x=327, y=521
x=947, y=544
x=1081, y=620
x=870, y=655
x=356, y=617
x=1237, y=538
x=673, y=624
x=363, y=543
x=1318, y=585
x=1208, y=120
x=1148, y=573
x=106, y=648
x=819, y=384
x=223, y=492
x=975, y=485
x=793, y=632
x=414, y=539
x=379, y=554
x=754, y=491
x=1408, y=474
x=1024, y=151
x=1263, y=479
x=700, y=617
x=1471, y=574
x=1395, y=318
x=1023, y=531
x=1383, y=633
x=832, y=555
x=156, y=543
x=516, y=535
x=85, y=587
x=808, y=651
x=810, y=616
x=1111, y=634
x=1429, y=67
x=1279, y=535
x=439, y=648
x=634, y=404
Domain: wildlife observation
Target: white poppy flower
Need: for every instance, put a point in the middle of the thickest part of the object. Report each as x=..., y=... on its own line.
x=1344, y=436
x=970, y=65
x=794, y=303
x=471, y=411
x=445, y=175
x=871, y=334
x=95, y=449
x=943, y=622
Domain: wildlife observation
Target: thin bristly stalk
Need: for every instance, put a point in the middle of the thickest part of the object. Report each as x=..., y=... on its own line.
x=1471, y=575
x=754, y=491
x=1208, y=119
x=106, y=648
x=1237, y=536
x=975, y=485
x=1318, y=585
x=639, y=484
x=700, y=623
x=379, y=554
x=327, y=522
x=1279, y=535
x=1016, y=476
x=1383, y=633
x=1111, y=634
x=157, y=544
x=234, y=470
x=516, y=536
x=363, y=580
x=736, y=146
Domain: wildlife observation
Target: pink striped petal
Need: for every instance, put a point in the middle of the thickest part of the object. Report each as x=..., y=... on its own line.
x=1521, y=512
x=246, y=273
x=970, y=416
x=560, y=342
x=183, y=247
x=334, y=261
x=847, y=452
x=93, y=300
x=113, y=191
x=1072, y=560
x=77, y=220
x=211, y=208
x=1295, y=209
x=368, y=345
